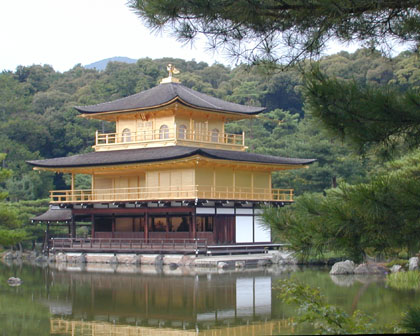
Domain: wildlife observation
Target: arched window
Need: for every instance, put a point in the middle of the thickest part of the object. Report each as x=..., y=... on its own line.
x=163, y=132
x=182, y=132
x=126, y=135
x=215, y=135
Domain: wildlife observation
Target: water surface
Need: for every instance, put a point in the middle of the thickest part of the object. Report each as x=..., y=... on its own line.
x=145, y=300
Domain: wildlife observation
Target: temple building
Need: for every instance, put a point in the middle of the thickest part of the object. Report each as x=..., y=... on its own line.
x=169, y=172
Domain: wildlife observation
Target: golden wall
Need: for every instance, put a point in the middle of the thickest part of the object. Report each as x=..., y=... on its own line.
x=178, y=183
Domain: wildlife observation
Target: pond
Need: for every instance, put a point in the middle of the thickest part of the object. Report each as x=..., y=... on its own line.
x=144, y=300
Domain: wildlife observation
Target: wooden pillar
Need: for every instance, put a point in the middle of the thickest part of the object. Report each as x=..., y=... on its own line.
x=92, y=220
x=146, y=225
x=214, y=183
x=47, y=237
x=194, y=224
x=73, y=227
x=72, y=194
x=234, y=184
x=252, y=184
x=69, y=226
x=113, y=225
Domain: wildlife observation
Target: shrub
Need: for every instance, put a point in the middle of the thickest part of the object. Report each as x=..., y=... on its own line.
x=402, y=262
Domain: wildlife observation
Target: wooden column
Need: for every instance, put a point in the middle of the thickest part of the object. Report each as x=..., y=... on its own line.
x=113, y=225
x=252, y=184
x=73, y=227
x=47, y=237
x=146, y=225
x=194, y=224
x=72, y=194
x=92, y=219
x=69, y=225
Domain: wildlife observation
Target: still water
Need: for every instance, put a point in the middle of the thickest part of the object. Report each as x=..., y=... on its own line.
x=144, y=300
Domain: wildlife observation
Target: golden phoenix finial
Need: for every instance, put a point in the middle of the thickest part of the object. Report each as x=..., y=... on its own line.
x=172, y=71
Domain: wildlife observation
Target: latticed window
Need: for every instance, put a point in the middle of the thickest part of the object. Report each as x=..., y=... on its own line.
x=182, y=132
x=126, y=135
x=215, y=135
x=164, y=132
x=144, y=130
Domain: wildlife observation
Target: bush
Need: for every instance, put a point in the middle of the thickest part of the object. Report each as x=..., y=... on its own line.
x=411, y=320
x=402, y=262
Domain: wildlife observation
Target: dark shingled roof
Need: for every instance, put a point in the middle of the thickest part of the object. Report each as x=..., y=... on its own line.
x=54, y=215
x=144, y=155
x=163, y=94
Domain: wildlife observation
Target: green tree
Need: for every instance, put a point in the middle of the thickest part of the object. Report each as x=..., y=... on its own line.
x=357, y=219
x=10, y=235
x=277, y=30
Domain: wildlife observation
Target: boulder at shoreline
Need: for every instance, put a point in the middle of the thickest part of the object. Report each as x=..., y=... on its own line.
x=343, y=267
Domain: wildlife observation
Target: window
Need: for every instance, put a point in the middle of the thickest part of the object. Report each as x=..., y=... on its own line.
x=204, y=223
x=126, y=135
x=164, y=132
x=144, y=130
x=159, y=224
x=215, y=135
x=182, y=132
x=180, y=223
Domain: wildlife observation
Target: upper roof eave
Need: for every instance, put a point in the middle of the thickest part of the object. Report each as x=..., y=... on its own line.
x=176, y=99
x=160, y=154
x=164, y=94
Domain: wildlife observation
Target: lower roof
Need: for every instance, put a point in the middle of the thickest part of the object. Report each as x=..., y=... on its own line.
x=54, y=215
x=147, y=155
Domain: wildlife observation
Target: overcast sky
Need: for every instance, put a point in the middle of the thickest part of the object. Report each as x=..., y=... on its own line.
x=63, y=33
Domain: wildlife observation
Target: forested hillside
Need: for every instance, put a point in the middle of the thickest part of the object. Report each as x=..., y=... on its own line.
x=37, y=118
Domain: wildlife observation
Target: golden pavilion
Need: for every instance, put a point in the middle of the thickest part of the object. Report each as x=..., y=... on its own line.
x=169, y=172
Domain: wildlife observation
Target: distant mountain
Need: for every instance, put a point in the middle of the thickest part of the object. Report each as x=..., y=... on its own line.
x=101, y=65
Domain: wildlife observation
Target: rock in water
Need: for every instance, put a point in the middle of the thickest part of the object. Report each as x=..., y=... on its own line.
x=396, y=269
x=343, y=267
x=12, y=281
x=370, y=269
x=413, y=264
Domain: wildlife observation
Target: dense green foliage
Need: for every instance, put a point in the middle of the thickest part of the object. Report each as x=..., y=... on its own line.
x=411, y=320
x=9, y=233
x=324, y=318
x=357, y=219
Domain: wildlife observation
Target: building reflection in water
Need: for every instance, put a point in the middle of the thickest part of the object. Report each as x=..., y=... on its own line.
x=189, y=302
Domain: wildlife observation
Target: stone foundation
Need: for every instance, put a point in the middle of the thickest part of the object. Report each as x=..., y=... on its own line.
x=175, y=260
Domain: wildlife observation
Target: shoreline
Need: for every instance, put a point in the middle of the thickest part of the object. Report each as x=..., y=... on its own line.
x=174, y=261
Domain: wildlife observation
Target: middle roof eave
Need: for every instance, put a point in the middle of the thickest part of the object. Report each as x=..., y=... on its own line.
x=146, y=155
x=164, y=94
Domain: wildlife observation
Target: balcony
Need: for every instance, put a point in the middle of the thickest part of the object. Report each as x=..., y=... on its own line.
x=188, y=192
x=169, y=136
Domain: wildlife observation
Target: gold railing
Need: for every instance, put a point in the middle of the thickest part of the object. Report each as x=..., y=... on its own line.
x=60, y=326
x=170, y=134
x=171, y=193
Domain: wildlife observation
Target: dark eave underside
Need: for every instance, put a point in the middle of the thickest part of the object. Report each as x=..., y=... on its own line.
x=166, y=93
x=147, y=155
